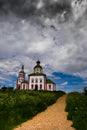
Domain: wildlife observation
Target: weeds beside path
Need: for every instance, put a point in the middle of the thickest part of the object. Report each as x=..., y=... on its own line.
x=53, y=118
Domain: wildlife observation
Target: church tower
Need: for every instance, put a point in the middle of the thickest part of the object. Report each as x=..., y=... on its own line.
x=21, y=78
x=38, y=67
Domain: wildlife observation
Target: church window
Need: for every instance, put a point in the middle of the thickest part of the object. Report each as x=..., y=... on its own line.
x=32, y=86
x=36, y=80
x=23, y=87
x=32, y=80
x=49, y=86
x=40, y=86
x=40, y=80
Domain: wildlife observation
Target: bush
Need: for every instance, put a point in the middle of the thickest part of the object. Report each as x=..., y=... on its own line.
x=77, y=110
x=85, y=91
x=17, y=106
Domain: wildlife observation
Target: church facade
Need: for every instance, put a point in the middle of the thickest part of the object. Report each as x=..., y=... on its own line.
x=36, y=80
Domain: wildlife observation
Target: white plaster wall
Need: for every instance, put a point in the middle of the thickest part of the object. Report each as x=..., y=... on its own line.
x=38, y=83
x=25, y=86
x=39, y=70
x=52, y=87
x=20, y=80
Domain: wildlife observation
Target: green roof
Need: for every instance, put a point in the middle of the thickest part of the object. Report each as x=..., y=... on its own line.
x=37, y=74
x=37, y=66
x=48, y=81
x=25, y=81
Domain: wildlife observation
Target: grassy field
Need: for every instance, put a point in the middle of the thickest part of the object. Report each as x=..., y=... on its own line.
x=77, y=108
x=18, y=106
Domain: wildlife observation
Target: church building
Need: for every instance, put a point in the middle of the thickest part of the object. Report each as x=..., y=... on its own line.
x=36, y=80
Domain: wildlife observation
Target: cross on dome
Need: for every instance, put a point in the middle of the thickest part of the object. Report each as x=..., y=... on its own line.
x=38, y=62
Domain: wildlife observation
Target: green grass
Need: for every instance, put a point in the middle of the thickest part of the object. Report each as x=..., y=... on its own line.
x=18, y=106
x=77, y=108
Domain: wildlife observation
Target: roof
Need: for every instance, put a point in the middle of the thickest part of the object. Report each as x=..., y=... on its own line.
x=48, y=81
x=22, y=72
x=25, y=81
x=38, y=65
x=37, y=74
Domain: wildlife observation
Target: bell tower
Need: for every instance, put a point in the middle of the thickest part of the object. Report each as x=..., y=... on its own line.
x=21, y=78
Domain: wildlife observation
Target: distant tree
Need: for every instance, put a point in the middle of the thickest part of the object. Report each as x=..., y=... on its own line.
x=4, y=88
x=85, y=90
x=10, y=88
x=7, y=88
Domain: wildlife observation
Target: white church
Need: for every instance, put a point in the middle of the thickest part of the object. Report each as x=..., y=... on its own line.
x=36, y=80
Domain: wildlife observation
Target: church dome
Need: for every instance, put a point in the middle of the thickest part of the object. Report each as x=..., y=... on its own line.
x=38, y=67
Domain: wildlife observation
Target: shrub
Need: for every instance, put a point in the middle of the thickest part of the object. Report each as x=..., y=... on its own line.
x=77, y=110
x=85, y=91
x=18, y=106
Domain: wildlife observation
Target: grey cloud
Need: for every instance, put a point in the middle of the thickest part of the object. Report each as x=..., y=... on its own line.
x=37, y=33
x=55, y=8
x=50, y=9
x=28, y=8
x=17, y=6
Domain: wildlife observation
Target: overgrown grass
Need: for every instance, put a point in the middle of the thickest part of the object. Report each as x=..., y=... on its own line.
x=18, y=106
x=77, y=108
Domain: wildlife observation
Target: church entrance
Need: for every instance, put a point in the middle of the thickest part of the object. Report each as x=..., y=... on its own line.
x=36, y=87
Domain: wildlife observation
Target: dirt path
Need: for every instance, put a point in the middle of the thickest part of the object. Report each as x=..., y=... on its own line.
x=53, y=118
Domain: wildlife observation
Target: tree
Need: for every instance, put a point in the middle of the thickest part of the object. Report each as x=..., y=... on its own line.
x=4, y=88
x=85, y=90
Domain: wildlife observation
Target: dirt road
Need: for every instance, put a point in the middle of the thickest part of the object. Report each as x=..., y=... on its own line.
x=53, y=118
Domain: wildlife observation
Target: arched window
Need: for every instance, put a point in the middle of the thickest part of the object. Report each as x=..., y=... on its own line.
x=32, y=86
x=32, y=80
x=49, y=86
x=40, y=86
x=40, y=80
x=36, y=80
x=23, y=87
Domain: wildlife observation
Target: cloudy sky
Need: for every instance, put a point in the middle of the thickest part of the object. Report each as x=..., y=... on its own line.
x=55, y=31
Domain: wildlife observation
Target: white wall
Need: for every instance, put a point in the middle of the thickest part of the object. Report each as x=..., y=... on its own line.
x=38, y=83
x=51, y=88
x=24, y=84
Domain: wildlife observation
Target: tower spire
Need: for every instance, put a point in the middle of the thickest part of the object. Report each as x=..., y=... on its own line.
x=22, y=68
x=38, y=62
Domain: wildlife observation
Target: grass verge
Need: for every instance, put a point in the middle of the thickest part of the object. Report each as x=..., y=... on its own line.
x=18, y=106
x=77, y=110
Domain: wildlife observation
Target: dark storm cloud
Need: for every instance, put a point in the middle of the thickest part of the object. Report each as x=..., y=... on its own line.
x=40, y=28
x=29, y=7
x=17, y=6
x=53, y=8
